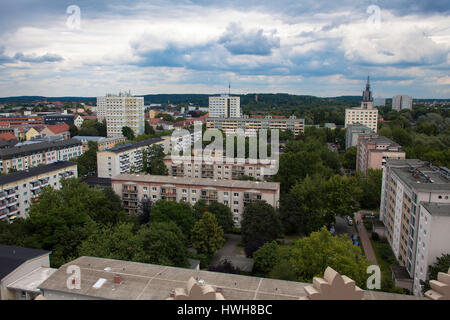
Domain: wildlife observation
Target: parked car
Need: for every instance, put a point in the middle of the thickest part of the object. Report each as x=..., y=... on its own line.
x=349, y=220
x=332, y=230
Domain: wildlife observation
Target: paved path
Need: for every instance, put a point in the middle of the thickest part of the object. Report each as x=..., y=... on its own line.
x=229, y=249
x=364, y=236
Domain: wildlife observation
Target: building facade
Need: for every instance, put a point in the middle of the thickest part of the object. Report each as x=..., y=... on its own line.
x=373, y=150
x=102, y=142
x=251, y=125
x=122, y=110
x=353, y=131
x=410, y=190
x=19, y=189
x=195, y=168
x=126, y=158
x=224, y=106
x=22, y=270
x=366, y=115
x=32, y=155
x=433, y=240
x=52, y=119
x=402, y=102
x=20, y=121
x=235, y=194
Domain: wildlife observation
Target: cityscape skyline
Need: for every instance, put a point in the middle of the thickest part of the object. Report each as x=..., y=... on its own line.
x=323, y=49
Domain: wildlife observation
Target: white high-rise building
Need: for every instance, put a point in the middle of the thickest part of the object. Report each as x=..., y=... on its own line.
x=122, y=110
x=224, y=106
x=401, y=102
x=366, y=115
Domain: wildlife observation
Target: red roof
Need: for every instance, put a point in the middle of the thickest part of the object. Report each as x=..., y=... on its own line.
x=89, y=117
x=7, y=136
x=58, y=128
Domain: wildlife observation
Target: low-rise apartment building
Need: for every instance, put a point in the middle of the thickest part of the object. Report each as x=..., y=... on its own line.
x=22, y=270
x=373, y=150
x=233, y=193
x=124, y=158
x=196, y=168
x=19, y=189
x=251, y=125
x=31, y=155
x=181, y=140
x=353, y=131
x=56, y=130
x=410, y=191
x=103, y=142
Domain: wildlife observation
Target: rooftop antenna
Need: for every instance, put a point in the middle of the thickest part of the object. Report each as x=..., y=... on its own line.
x=229, y=88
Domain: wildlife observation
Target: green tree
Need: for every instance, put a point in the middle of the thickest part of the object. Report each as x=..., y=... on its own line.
x=156, y=164
x=207, y=235
x=128, y=133
x=87, y=162
x=180, y=213
x=149, y=129
x=260, y=222
x=266, y=258
x=164, y=243
x=73, y=130
x=310, y=256
x=371, y=189
x=219, y=210
x=349, y=158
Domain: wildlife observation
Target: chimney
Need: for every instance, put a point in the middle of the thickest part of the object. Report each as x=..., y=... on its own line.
x=118, y=279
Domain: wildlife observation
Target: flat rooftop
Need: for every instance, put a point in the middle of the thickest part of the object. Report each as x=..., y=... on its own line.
x=437, y=209
x=130, y=146
x=25, y=174
x=154, y=282
x=419, y=181
x=207, y=182
x=38, y=147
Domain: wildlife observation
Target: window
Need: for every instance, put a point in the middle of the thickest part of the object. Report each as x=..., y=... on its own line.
x=184, y=191
x=153, y=188
x=194, y=191
x=236, y=203
x=236, y=210
x=236, y=194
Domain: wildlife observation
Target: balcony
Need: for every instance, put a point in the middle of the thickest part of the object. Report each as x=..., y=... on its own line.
x=129, y=189
x=251, y=197
x=209, y=196
x=2, y=196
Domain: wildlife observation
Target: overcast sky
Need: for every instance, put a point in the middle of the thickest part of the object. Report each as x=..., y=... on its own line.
x=314, y=47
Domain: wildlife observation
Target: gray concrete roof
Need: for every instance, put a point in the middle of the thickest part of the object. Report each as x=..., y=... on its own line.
x=197, y=181
x=420, y=184
x=32, y=172
x=154, y=282
x=437, y=209
x=38, y=147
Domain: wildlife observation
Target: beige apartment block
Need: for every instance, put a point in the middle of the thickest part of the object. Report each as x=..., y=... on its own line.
x=367, y=114
x=374, y=150
x=366, y=117
x=120, y=111
x=125, y=158
x=235, y=194
x=195, y=167
x=19, y=189
x=225, y=106
x=31, y=155
x=251, y=125
x=433, y=239
x=412, y=208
